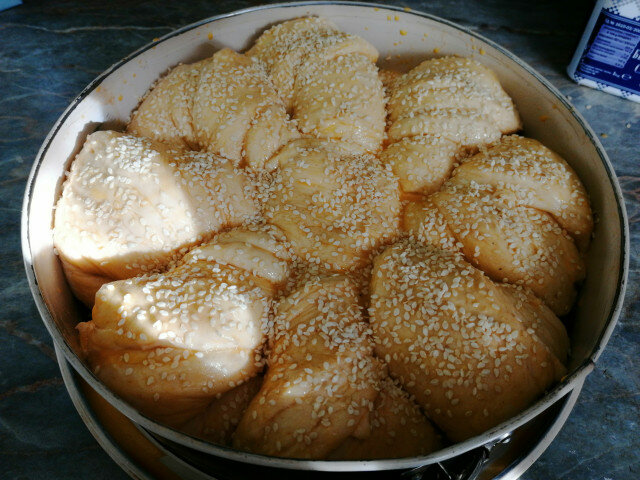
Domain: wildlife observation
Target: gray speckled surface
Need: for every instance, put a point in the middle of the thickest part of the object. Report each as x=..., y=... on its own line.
x=50, y=51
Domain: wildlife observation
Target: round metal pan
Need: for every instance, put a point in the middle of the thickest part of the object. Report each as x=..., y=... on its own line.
x=168, y=460
x=105, y=103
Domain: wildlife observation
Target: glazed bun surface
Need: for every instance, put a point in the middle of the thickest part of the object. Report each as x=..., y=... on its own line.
x=463, y=345
x=130, y=206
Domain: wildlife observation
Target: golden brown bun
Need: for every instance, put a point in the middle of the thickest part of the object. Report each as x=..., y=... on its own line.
x=423, y=219
x=335, y=208
x=321, y=380
x=165, y=113
x=397, y=429
x=328, y=80
x=131, y=206
x=505, y=209
x=170, y=342
x=458, y=341
x=225, y=104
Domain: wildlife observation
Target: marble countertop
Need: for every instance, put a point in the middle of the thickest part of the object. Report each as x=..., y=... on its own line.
x=50, y=50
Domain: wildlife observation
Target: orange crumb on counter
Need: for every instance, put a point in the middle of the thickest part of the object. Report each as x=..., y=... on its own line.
x=210, y=36
x=119, y=98
x=543, y=118
x=436, y=50
x=481, y=51
x=403, y=32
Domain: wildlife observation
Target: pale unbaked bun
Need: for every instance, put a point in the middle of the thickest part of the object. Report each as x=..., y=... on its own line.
x=170, y=342
x=397, y=429
x=421, y=163
x=322, y=379
x=328, y=80
x=438, y=110
x=453, y=97
x=130, y=206
x=222, y=416
x=225, y=104
x=334, y=207
x=516, y=211
x=472, y=352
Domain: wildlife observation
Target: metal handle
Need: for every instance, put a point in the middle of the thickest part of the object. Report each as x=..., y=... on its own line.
x=465, y=467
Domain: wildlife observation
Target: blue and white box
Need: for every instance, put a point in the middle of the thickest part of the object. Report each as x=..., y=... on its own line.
x=608, y=56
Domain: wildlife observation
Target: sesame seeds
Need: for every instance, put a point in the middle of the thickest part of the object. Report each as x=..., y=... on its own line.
x=225, y=105
x=453, y=97
x=321, y=373
x=106, y=216
x=503, y=209
x=470, y=334
x=334, y=206
x=196, y=327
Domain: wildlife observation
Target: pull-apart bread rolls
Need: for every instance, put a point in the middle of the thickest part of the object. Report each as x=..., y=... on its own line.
x=438, y=110
x=232, y=241
x=130, y=206
x=170, y=342
x=518, y=212
x=328, y=80
x=321, y=379
x=472, y=352
x=334, y=207
x=320, y=397
x=225, y=104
